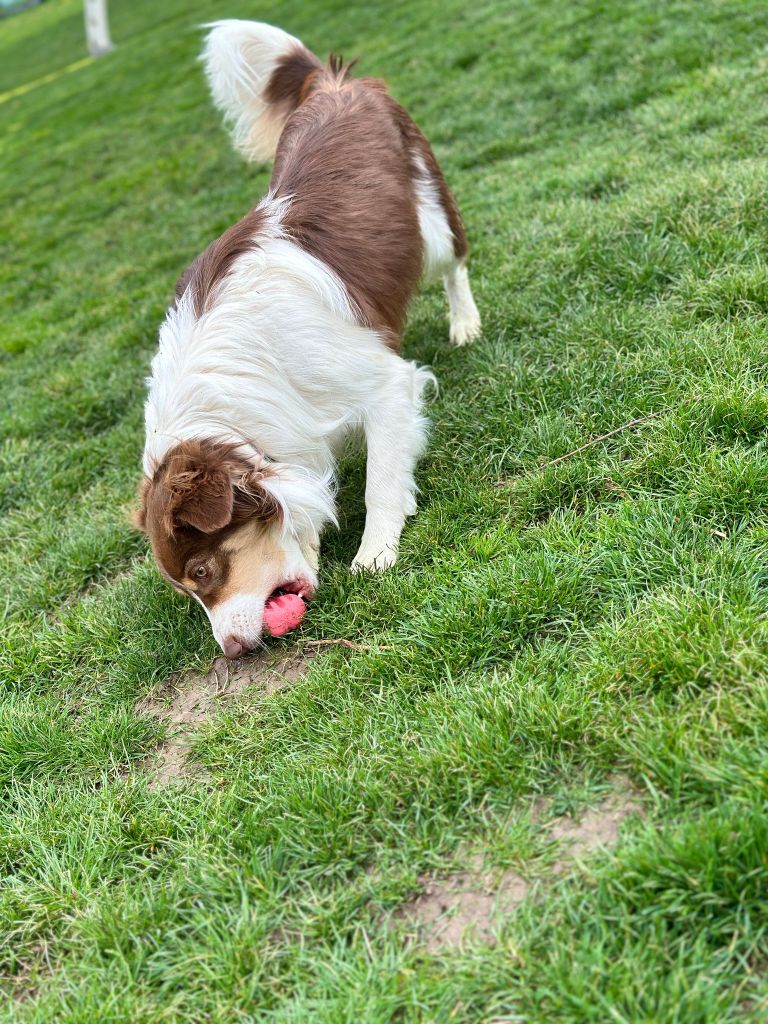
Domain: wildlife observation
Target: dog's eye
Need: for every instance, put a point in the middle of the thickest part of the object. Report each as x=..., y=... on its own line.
x=201, y=572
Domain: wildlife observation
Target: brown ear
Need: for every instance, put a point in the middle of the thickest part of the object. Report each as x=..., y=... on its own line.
x=139, y=515
x=200, y=496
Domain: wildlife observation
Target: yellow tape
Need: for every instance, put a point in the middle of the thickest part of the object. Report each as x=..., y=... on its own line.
x=21, y=89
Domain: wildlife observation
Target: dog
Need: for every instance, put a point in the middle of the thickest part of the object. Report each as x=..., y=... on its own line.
x=284, y=335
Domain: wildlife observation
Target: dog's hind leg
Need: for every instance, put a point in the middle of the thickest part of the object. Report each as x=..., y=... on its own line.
x=395, y=433
x=445, y=245
x=465, y=319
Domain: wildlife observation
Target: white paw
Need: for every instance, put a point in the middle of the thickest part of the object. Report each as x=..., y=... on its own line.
x=374, y=558
x=465, y=330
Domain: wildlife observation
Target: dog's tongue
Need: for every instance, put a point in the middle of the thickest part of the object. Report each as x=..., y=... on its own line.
x=283, y=612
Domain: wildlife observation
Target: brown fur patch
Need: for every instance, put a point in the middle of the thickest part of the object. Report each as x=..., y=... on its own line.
x=291, y=81
x=418, y=143
x=342, y=159
x=199, y=495
x=139, y=515
x=247, y=576
x=210, y=268
x=346, y=160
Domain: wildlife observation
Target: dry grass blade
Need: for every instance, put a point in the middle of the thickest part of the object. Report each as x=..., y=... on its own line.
x=604, y=437
x=351, y=644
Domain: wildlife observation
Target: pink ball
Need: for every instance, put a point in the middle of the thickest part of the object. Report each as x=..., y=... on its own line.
x=283, y=613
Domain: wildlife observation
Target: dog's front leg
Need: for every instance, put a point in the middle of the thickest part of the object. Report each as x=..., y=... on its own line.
x=395, y=433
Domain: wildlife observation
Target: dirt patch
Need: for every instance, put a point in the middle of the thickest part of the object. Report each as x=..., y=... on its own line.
x=754, y=982
x=184, y=701
x=598, y=827
x=471, y=903
x=18, y=986
x=463, y=905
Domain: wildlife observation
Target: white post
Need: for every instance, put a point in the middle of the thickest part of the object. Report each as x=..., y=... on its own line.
x=97, y=27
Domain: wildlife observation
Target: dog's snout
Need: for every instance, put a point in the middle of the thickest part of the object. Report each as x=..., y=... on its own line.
x=232, y=647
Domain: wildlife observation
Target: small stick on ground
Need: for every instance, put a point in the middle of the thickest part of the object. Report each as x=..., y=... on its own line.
x=344, y=643
x=604, y=437
x=371, y=957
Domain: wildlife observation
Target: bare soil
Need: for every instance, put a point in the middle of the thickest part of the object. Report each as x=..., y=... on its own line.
x=470, y=905
x=184, y=701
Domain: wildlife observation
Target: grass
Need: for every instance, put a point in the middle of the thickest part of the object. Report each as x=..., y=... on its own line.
x=546, y=627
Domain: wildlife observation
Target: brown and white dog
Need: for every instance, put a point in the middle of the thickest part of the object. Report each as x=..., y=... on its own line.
x=284, y=335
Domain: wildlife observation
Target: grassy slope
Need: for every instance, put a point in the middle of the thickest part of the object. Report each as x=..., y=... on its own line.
x=608, y=612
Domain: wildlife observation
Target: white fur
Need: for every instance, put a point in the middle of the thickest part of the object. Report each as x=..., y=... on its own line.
x=239, y=57
x=280, y=361
x=465, y=319
x=395, y=433
x=240, y=616
x=238, y=372
x=439, y=258
x=433, y=223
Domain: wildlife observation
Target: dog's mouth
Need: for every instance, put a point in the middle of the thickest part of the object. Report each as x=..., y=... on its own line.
x=301, y=588
x=286, y=605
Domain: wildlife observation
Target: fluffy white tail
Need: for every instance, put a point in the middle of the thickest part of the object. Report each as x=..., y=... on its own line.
x=257, y=75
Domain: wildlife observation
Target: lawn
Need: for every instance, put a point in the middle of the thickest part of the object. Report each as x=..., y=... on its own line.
x=549, y=627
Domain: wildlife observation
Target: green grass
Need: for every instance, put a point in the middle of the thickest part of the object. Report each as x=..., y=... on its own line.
x=545, y=628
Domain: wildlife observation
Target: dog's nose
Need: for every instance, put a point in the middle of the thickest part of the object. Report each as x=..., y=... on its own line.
x=232, y=647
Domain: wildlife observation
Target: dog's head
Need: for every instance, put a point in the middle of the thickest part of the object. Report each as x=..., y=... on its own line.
x=218, y=534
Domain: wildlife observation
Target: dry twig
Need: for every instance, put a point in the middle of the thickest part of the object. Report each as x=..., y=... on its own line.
x=604, y=437
x=344, y=643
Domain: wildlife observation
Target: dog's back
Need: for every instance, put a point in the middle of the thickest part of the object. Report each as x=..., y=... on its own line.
x=362, y=189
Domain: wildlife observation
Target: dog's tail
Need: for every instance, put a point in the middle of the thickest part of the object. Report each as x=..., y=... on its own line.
x=258, y=76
